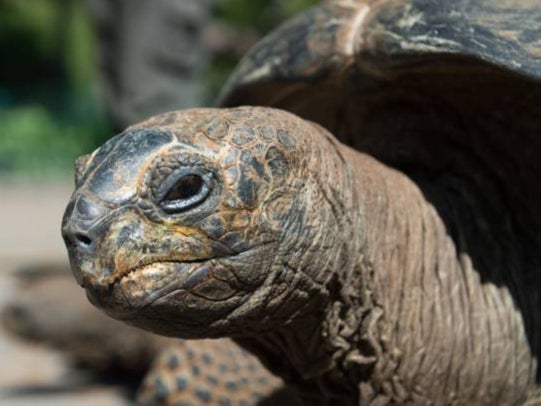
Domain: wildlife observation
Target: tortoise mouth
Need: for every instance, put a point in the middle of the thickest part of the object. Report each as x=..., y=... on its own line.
x=187, y=290
x=148, y=266
x=140, y=286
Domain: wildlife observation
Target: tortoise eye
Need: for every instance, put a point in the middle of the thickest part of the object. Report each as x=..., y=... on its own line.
x=183, y=191
x=188, y=186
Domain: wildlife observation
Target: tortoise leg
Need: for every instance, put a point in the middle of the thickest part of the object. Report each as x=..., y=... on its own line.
x=211, y=372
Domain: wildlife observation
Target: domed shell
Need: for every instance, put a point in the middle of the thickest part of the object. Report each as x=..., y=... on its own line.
x=377, y=39
x=419, y=84
x=439, y=89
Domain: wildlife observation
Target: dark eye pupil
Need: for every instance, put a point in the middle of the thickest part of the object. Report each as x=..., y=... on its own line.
x=188, y=186
x=183, y=191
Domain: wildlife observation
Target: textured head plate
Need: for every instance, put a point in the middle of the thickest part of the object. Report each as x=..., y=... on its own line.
x=191, y=211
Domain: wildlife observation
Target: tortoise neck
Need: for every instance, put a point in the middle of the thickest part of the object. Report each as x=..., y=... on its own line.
x=300, y=354
x=448, y=280
x=408, y=290
x=327, y=351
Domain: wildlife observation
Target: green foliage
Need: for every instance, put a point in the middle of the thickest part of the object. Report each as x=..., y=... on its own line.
x=44, y=41
x=34, y=144
x=48, y=111
x=48, y=114
x=31, y=19
x=292, y=7
x=261, y=15
x=80, y=53
x=243, y=13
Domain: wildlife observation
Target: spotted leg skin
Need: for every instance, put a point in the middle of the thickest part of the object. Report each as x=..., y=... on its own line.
x=211, y=372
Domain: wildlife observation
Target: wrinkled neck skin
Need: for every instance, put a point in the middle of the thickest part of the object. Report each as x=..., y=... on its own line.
x=411, y=310
x=325, y=242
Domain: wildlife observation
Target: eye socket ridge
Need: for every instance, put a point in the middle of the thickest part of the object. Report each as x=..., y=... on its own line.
x=184, y=189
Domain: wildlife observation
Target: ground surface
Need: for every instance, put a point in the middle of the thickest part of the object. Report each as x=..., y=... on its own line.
x=30, y=216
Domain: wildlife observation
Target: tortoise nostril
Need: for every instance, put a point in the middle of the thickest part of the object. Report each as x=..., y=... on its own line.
x=82, y=239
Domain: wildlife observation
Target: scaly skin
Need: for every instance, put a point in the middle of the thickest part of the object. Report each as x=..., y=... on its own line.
x=176, y=372
x=211, y=372
x=345, y=278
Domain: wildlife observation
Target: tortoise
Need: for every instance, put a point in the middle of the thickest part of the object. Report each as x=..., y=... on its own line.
x=362, y=212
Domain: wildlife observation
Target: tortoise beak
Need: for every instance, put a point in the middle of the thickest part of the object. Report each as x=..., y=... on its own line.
x=85, y=221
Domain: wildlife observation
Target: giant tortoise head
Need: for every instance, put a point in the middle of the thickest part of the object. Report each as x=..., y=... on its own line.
x=193, y=220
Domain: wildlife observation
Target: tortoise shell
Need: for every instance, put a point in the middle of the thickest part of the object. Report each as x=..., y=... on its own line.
x=379, y=41
x=427, y=86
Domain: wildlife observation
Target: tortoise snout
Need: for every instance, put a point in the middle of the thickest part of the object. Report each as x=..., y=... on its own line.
x=77, y=238
x=80, y=242
x=83, y=224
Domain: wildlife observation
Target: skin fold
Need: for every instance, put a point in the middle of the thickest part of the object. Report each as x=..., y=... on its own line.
x=353, y=282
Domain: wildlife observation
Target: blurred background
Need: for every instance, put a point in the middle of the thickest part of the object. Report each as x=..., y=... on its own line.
x=72, y=74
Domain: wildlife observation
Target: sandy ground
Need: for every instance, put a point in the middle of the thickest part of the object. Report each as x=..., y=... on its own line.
x=30, y=216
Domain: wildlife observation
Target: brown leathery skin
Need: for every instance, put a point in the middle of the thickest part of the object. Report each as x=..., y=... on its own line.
x=363, y=297
x=446, y=92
